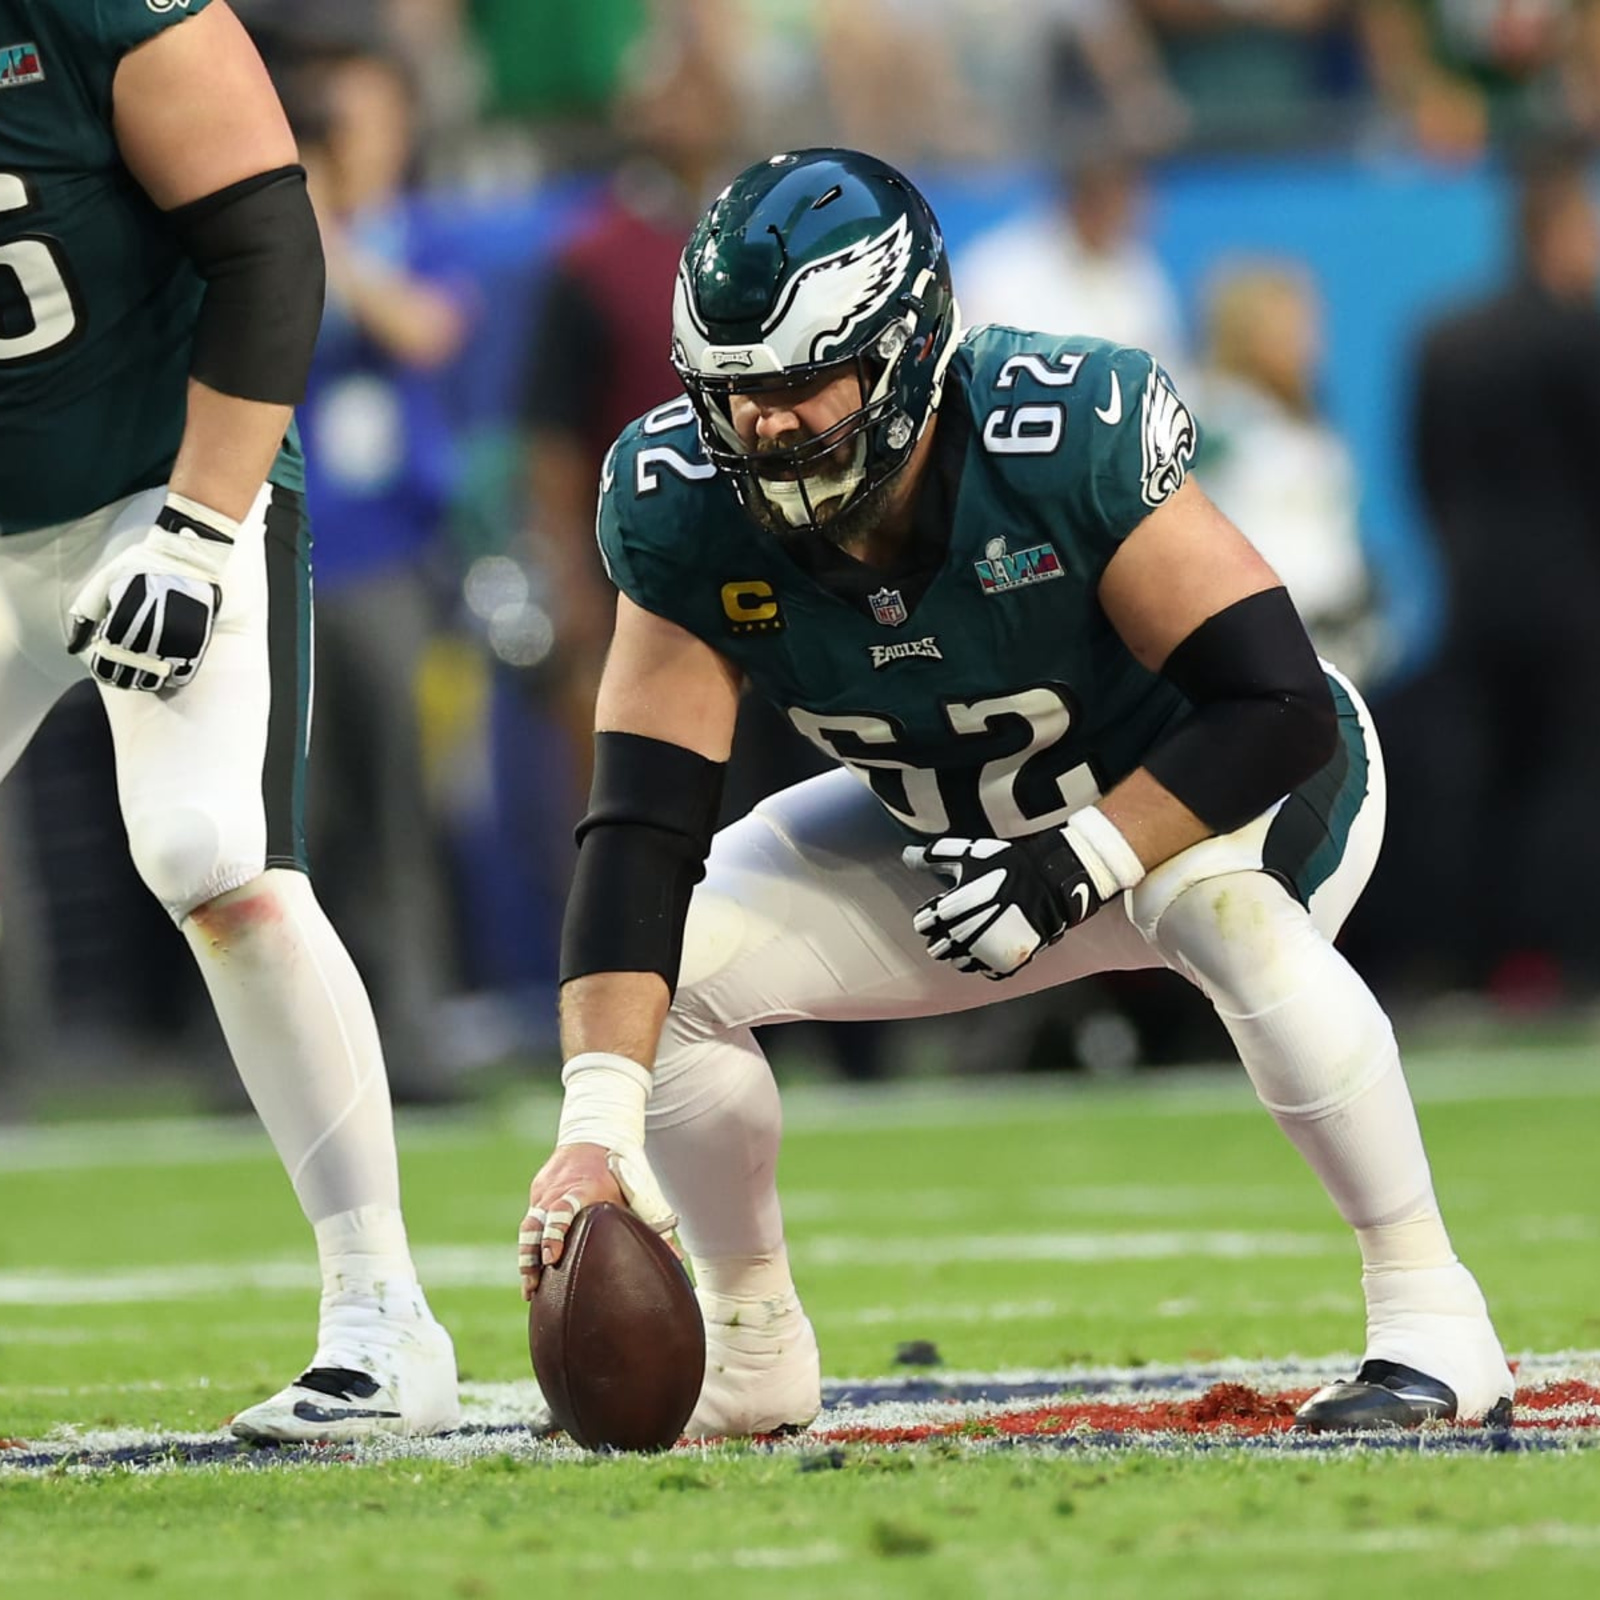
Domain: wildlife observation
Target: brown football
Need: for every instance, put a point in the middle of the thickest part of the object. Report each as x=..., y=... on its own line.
x=616, y=1335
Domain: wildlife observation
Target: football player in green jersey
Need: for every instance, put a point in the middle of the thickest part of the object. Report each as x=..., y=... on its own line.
x=1067, y=697
x=160, y=291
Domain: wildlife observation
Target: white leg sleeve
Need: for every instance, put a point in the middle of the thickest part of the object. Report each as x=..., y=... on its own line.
x=297, y=1020
x=712, y=1140
x=1313, y=1038
x=1322, y=1057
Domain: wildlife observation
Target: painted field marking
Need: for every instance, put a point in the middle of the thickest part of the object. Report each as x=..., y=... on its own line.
x=1061, y=1202
x=491, y=1267
x=1164, y=1245
x=1225, y=1405
x=1437, y=1076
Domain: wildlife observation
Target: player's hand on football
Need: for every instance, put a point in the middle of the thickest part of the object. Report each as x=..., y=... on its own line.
x=1008, y=899
x=579, y=1175
x=575, y=1176
x=145, y=618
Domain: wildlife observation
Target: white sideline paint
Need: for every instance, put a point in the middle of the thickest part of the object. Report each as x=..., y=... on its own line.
x=493, y=1267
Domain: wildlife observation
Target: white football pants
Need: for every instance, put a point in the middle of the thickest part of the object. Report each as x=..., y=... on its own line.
x=806, y=913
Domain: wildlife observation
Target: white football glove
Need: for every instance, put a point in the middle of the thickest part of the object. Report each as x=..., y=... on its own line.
x=1010, y=898
x=146, y=617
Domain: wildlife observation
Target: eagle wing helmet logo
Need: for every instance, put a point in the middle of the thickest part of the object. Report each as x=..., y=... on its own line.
x=827, y=299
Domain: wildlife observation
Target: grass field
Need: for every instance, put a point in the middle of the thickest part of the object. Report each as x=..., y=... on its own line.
x=1074, y=1252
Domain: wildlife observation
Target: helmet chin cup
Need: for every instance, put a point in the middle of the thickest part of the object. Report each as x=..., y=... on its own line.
x=808, y=263
x=798, y=502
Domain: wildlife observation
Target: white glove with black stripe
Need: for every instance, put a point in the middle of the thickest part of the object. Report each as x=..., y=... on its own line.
x=1010, y=898
x=145, y=618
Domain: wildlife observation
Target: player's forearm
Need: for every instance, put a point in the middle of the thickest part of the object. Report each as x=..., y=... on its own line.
x=228, y=449
x=617, y=1013
x=1153, y=821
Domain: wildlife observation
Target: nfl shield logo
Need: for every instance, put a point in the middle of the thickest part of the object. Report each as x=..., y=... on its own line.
x=888, y=607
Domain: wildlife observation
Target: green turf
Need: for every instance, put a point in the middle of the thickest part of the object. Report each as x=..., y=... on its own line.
x=882, y=1524
x=913, y=1216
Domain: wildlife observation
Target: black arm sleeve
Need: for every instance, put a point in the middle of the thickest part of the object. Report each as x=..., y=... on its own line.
x=257, y=245
x=641, y=850
x=1263, y=721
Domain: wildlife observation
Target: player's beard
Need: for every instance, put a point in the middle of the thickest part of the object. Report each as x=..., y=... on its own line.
x=859, y=512
x=859, y=518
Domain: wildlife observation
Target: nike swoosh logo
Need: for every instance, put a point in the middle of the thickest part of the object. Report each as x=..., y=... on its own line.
x=1080, y=896
x=1111, y=414
x=1433, y=1401
x=307, y=1412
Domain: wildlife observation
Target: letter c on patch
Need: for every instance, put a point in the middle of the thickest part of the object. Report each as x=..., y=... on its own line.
x=749, y=601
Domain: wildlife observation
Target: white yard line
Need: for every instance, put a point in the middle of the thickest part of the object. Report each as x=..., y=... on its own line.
x=1063, y=1202
x=492, y=1267
x=833, y=1250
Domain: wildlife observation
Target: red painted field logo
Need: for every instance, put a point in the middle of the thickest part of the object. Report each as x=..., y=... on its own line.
x=20, y=64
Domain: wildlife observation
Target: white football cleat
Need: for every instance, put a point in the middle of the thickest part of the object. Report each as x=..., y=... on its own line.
x=372, y=1374
x=763, y=1371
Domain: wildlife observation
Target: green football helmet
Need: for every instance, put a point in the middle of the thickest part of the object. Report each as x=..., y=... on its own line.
x=811, y=264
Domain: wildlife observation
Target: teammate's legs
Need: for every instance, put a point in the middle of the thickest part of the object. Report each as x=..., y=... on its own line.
x=211, y=783
x=805, y=913
x=35, y=670
x=1322, y=1056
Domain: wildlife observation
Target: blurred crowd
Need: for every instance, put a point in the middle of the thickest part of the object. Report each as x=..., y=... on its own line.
x=504, y=187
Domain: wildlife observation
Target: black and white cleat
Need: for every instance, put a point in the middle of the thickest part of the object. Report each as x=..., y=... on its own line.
x=1384, y=1394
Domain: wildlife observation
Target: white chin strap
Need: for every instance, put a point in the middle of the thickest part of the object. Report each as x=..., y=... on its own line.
x=797, y=508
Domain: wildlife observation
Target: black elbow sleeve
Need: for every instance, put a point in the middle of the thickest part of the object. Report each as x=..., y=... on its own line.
x=257, y=245
x=642, y=848
x=1264, y=719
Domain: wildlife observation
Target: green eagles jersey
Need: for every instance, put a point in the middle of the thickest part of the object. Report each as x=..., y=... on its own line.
x=983, y=692
x=97, y=301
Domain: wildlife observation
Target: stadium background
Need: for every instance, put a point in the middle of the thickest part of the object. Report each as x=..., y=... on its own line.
x=1281, y=139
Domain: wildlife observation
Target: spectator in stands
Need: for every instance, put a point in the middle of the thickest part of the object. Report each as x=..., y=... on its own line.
x=379, y=475
x=1459, y=74
x=556, y=64
x=1274, y=463
x=1077, y=264
x=1000, y=78
x=1503, y=756
x=601, y=337
x=1261, y=73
